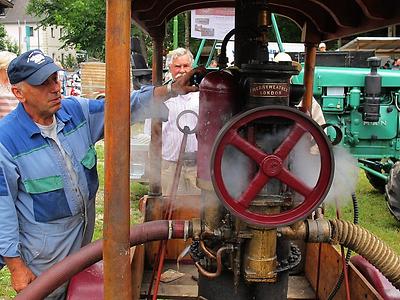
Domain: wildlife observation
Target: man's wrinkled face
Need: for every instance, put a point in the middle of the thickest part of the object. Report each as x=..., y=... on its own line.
x=41, y=102
x=180, y=66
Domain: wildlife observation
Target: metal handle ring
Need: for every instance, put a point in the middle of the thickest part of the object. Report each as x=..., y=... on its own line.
x=186, y=129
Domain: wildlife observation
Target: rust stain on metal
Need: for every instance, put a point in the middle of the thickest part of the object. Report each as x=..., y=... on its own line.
x=311, y=58
x=117, y=273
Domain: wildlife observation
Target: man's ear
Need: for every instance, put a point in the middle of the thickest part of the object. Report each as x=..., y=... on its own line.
x=18, y=93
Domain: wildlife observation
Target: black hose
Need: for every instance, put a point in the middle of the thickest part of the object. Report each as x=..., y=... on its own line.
x=223, y=59
x=348, y=254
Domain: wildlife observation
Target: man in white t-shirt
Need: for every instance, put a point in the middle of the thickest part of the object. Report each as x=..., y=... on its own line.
x=180, y=62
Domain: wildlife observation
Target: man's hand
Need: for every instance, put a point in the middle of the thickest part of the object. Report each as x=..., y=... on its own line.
x=181, y=86
x=21, y=275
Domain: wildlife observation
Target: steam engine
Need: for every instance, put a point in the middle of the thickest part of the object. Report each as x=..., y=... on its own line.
x=251, y=134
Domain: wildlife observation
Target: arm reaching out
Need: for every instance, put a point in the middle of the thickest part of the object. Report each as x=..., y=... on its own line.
x=181, y=86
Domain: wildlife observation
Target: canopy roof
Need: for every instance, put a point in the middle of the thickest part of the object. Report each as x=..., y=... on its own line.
x=389, y=46
x=6, y=4
x=327, y=19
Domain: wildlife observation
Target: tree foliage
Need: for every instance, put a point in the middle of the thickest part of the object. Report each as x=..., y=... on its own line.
x=84, y=22
x=6, y=43
x=289, y=31
x=3, y=36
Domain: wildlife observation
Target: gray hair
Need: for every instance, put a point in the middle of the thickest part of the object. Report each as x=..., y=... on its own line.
x=20, y=85
x=177, y=53
x=5, y=58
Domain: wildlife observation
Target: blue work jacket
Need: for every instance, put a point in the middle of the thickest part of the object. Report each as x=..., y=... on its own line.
x=43, y=218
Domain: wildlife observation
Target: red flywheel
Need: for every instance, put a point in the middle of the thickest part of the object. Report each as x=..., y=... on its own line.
x=271, y=165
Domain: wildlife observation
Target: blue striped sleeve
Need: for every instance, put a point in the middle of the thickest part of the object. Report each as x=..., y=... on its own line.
x=3, y=184
x=9, y=237
x=94, y=113
x=142, y=106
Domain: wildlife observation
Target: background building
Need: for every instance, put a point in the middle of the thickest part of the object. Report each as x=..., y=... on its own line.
x=24, y=31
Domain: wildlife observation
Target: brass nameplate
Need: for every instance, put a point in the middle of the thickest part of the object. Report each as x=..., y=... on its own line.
x=269, y=90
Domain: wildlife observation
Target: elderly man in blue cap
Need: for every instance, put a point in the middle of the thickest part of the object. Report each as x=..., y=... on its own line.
x=48, y=177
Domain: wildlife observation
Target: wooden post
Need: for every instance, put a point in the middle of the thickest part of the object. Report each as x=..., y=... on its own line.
x=117, y=272
x=309, y=68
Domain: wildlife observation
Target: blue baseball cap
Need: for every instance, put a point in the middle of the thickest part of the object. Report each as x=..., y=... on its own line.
x=32, y=66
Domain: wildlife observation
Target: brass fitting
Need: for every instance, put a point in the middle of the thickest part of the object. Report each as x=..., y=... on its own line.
x=212, y=209
x=314, y=231
x=196, y=228
x=296, y=231
x=264, y=18
x=319, y=231
x=264, y=21
x=260, y=256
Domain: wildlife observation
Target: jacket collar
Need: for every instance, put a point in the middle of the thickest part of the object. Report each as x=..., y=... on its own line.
x=30, y=126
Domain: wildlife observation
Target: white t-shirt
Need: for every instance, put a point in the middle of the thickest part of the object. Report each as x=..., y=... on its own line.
x=171, y=135
x=316, y=111
x=50, y=131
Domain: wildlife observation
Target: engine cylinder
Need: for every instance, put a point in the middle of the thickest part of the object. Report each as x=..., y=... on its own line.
x=267, y=84
x=218, y=95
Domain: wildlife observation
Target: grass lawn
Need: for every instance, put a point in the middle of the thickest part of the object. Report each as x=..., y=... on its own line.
x=373, y=215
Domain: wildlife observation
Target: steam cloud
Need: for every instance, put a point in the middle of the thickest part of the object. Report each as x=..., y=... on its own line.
x=305, y=163
x=345, y=178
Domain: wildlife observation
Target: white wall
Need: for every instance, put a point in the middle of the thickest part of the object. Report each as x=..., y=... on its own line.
x=45, y=39
x=273, y=49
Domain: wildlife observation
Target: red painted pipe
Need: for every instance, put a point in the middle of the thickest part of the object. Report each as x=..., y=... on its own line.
x=49, y=280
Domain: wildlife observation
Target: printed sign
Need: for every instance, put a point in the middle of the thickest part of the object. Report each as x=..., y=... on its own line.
x=212, y=23
x=269, y=90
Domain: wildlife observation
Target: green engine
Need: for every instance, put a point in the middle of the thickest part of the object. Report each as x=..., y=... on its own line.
x=362, y=105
